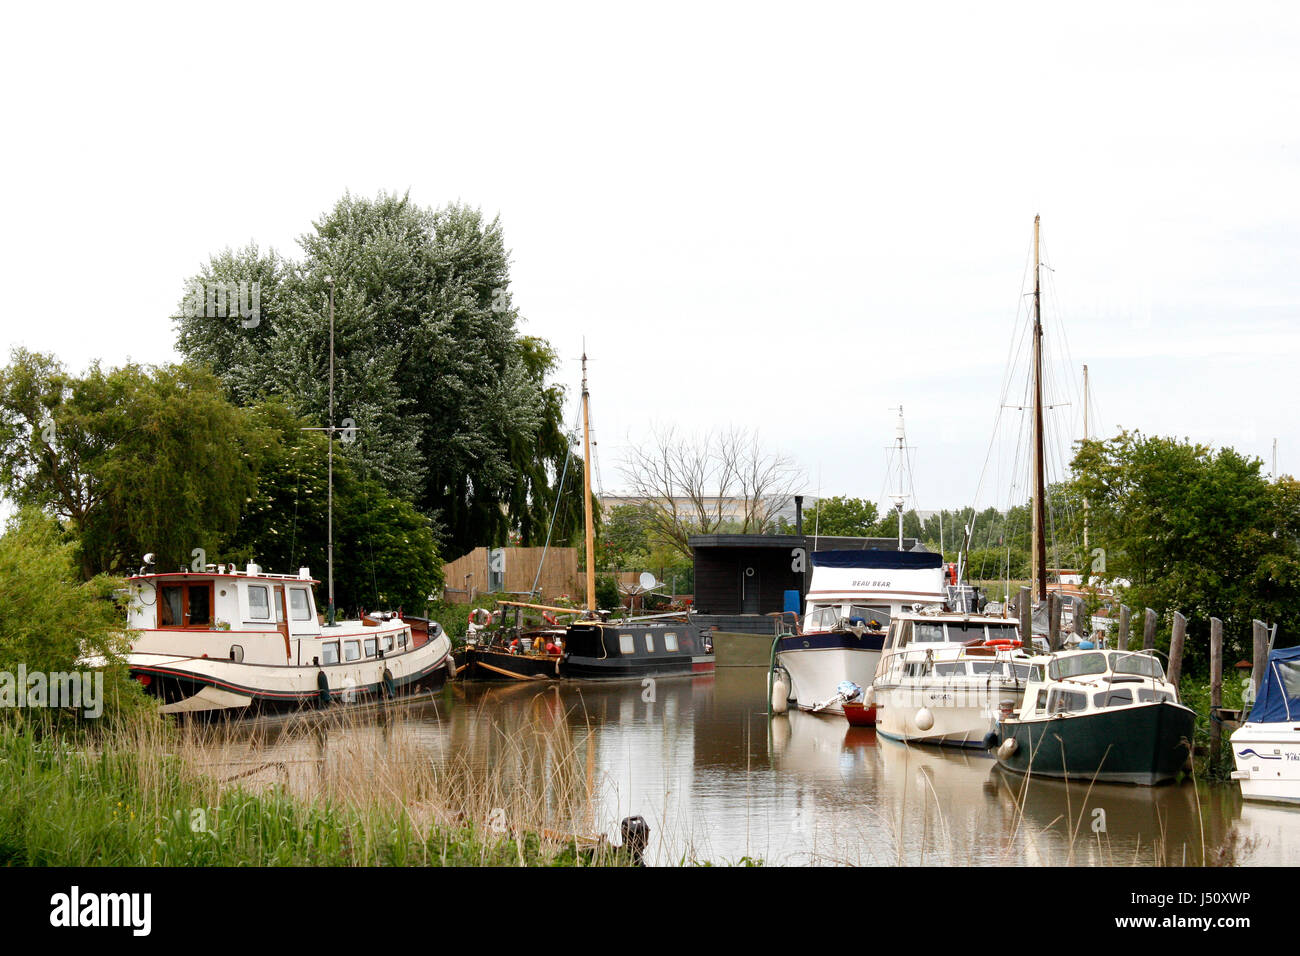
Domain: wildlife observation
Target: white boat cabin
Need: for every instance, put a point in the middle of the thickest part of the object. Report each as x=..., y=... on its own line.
x=1076, y=682
x=249, y=617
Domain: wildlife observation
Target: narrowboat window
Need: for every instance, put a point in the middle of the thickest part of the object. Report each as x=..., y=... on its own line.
x=1115, y=697
x=649, y=643
x=352, y=651
x=170, y=613
x=329, y=653
x=1077, y=665
x=626, y=644
x=299, y=606
x=200, y=604
x=926, y=633
x=1066, y=701
x=259, y=603
x=670, y=643
x=950, y=669
x=370, y=647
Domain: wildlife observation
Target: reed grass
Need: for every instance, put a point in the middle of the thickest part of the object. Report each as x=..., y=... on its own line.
x=334, y=791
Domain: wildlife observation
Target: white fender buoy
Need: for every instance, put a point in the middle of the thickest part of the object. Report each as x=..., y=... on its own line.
x=780, y=694
x=1007, y=748
x=924, y=719
x=869, y=698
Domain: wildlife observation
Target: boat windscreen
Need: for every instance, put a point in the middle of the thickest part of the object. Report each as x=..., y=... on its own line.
x=1076, y=665
x=924, y=632
x=963, y=631
x=1142, y=664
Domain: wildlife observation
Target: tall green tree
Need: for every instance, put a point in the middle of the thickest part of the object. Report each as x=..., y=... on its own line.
x=430, y=366
x=1195, y=530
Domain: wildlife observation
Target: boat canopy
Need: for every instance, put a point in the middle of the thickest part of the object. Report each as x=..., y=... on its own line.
x=1278, y=699
x=881, y=560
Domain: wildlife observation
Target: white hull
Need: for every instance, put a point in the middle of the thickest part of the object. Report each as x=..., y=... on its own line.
x=1268, y=761
x=816, y=672
x=959, y=716
x=220, y=684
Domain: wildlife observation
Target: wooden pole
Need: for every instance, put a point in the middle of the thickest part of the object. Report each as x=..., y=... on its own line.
x=1176, y=648
x=1054, y=621
x=1149, y=631
x=1079, y=612
x=1025, y=608
x=1216, y=686
x=1259, y=659
x=1124, y=615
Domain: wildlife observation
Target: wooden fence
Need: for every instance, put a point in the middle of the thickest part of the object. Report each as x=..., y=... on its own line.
x=468, y=575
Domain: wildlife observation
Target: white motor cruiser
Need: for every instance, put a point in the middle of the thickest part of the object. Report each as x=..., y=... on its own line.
x=945, y=678
x=1267, y=746
x=850, y=602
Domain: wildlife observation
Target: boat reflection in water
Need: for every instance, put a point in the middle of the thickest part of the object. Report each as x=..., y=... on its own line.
x=695, y=758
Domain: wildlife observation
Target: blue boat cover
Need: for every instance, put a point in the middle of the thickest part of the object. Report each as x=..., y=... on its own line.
x=877, y=559
x=1278, y=699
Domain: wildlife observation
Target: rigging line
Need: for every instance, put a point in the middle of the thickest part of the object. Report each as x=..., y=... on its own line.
x=1015, y=345
x=293, y=535
x=559, y=497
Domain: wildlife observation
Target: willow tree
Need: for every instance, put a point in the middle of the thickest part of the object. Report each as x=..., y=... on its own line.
x=132, y=459
x=451, y=404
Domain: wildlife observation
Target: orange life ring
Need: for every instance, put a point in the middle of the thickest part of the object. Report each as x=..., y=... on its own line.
x=1002, y=642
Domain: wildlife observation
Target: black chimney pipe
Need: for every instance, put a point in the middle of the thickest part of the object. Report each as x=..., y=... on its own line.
x=798, y=515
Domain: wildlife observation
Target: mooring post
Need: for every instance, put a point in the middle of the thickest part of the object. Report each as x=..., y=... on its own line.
x=1124, y=615
x=1259, y=659
x=1054, y=621
x=1025, y=608
x=1149, y=631
x=1176, y=648
x=1216, y=687
x=1079, y=611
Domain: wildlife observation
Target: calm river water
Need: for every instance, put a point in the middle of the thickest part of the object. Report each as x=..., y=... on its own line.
x=696, y=759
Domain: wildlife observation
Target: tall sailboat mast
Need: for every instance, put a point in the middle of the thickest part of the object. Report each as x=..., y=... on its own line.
x=1039, y=503
x=586, y=493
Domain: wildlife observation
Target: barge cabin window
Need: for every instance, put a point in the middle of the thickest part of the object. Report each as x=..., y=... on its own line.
x=330, y=653
x=187, y=605
x=352, y=651
x=259, y=602
x=626, y=644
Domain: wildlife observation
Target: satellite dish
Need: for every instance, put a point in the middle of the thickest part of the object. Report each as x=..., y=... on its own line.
x=647, y=581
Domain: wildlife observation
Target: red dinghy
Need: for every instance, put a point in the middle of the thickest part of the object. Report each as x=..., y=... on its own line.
x=859, y=716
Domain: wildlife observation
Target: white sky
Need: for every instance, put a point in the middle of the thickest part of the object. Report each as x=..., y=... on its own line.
x=789, y=218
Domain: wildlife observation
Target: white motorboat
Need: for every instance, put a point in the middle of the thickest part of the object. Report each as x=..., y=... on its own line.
x=946, y=678
x=230, y=640
x=1107, y=716
x=850, y=602
x=1267, y=746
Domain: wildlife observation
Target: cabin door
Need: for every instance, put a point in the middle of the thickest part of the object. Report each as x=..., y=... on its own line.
x=282, y=619
x=749, y=589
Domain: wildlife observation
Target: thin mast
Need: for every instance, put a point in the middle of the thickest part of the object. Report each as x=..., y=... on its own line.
x=330, y=547
x=1039, y=543
x=586, y=493
x=901, y=497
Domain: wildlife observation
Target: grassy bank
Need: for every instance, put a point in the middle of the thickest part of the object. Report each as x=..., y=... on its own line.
x=136, y=796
